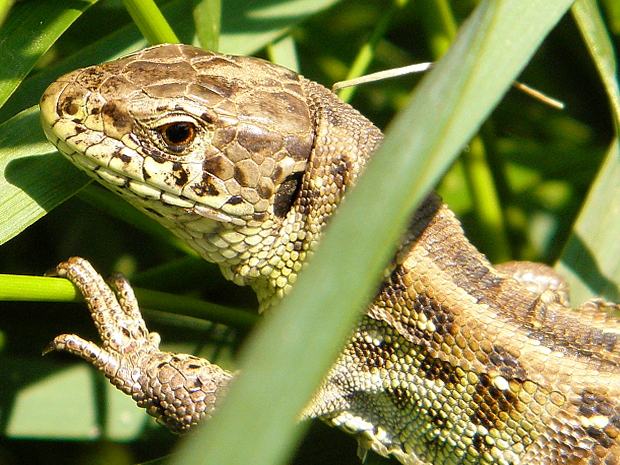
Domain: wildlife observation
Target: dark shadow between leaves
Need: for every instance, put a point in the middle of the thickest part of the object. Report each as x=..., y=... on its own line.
x=579, y=258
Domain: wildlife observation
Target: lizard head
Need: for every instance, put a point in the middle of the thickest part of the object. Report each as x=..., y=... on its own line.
x=213, y=135
x=217, y=148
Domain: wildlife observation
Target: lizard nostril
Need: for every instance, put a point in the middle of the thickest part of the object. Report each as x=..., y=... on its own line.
x=71, y=109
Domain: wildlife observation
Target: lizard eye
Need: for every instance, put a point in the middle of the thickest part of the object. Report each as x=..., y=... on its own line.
x=177, y=135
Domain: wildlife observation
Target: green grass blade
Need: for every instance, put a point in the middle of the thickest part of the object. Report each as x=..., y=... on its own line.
x=284, y=53
x=44, y=289
x=207, y=16
x=150, y=21
x=367, y=50
x=5, y=7
x=599, y=45
x=446, y=109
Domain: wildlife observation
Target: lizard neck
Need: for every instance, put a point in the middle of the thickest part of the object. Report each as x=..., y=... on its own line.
x=344, y=141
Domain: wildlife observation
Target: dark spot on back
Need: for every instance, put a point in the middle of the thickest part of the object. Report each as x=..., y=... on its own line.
x=507, y=364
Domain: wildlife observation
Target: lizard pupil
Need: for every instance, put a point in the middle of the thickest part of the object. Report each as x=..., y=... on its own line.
x=177, y=135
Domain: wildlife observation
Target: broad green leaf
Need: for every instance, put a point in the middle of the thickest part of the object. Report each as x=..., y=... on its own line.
x=591, y=259
x=30, y=30
x=34, y=178
x=445, y=110
x=244, y=24
x=76, y=406
x=612, y=8
x=284, y=53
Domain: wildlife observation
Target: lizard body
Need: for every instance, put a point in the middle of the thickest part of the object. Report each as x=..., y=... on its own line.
x=456, y=361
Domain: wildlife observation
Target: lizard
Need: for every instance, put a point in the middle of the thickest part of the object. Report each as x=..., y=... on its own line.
x=455, y=360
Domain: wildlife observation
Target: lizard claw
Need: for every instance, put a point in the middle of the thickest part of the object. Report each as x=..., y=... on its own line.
x=178, y=389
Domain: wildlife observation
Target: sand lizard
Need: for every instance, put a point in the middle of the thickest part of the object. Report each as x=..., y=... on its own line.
x=456, y=361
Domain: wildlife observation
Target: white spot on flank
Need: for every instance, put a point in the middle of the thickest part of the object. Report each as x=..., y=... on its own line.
x=501, y=383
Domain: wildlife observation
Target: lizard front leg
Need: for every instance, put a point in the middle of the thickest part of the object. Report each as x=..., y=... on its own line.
x=178, y=389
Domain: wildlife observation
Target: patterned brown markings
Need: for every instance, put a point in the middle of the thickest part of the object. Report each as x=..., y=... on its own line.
x=507, y=364
x=381, y=355
x=606, y=341
x=264, y=189
x=397, y=290
x=119, y=118
x=118, y=87
x=567, y=332
x=180, y=175
x=221, y=63
x=492, y=407
x=286, y=194
x=478, y=442
x=121, y=156
x=594, y=405
x=258, y=140
x=208, y=118
x=277, y=174
x=91, y=77
x=219, y=166
x=220, y=85
x=156, y=155
x=144, y=74
x=241, y=175
x=259, y=216
x=67, y=106
x=206, y=187
x=300, y=148
x=371, y=355
x=223, y=136
x=340, y=170
x=476, y=277
x=401, y=398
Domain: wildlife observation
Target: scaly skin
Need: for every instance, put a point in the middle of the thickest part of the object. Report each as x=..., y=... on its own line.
x=456, y=361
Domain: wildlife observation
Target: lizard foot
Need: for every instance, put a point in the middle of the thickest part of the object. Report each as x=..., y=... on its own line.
x=177, y=389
